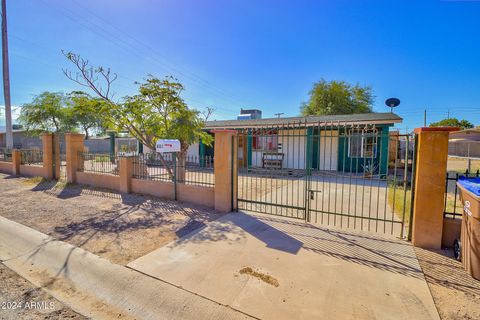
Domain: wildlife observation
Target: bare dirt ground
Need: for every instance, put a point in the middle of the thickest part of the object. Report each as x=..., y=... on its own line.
x=19, y=299
x=456, y=294
x=118, y=227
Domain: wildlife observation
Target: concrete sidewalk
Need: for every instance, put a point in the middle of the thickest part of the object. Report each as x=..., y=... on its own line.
x=95, y=287
x=275, y=268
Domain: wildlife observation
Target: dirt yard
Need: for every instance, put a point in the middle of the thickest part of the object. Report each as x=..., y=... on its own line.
x=19, y=299
x=455, y=164
x=456, y=294
x=118, y=227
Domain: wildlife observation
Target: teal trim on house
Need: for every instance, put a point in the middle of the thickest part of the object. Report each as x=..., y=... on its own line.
x=201, y=149
x=309, y=151
x=112, y=145
x=354, y=164
x=315, y=140
x=384, y=144
x=201, y=153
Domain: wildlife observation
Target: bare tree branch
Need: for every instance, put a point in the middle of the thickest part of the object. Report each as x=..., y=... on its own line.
x=99, y=80
x=207, y=113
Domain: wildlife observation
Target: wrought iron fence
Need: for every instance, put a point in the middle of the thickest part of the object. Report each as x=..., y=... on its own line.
x=5, y=155
x=453, y=205
x=101, y=163
x=153, y=166
x=195, y=170
x=32, y=157
x=338, y=174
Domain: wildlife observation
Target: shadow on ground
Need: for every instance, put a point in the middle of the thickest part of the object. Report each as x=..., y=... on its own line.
x=290, y=237
x=442, y=269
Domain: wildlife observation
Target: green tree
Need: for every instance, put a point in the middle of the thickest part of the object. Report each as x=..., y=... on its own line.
x=453, y=122
x=86, y=112
x=338, y=97
x=46, y=113
x=156, y=112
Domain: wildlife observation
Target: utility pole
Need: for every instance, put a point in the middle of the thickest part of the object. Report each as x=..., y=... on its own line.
x=425, y=118
x=448, y=114
x=6, y=78
x=278, y=114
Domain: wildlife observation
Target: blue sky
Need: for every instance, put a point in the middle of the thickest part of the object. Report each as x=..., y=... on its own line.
x=262, y=54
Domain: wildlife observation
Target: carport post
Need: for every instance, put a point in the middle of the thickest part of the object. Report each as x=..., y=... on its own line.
x=73, y=145
x=225, y=170
x=431, y=165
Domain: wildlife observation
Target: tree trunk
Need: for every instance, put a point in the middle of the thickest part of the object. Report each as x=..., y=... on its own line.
x=181, y=165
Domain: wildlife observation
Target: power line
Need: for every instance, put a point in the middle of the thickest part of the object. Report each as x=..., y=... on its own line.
x=120, y=42
x=177, y=67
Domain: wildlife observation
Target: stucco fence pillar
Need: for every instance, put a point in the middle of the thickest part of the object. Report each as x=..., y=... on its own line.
x=125, y=165
x=73, y=145
x=225, y=168
x=16, y=161
x=431, y=166
x=48, y=157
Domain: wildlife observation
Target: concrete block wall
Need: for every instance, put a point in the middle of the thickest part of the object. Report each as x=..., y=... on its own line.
x=220, y=197
x=46, y=170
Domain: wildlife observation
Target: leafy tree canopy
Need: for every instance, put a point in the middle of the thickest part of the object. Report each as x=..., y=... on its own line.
x=453, y=122
x=57, y=112
x=156, y=112
x=338, y=97
x=46, y=113
x=86, y=112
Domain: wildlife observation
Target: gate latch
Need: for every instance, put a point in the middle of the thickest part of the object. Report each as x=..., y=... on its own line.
x=312, y=195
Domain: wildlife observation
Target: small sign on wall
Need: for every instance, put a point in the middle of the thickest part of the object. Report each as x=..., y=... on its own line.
x=168, y=145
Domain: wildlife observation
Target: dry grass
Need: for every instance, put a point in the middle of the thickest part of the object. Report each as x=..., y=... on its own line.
x=52, y=184
x=461, y=164
x=35, y=180
x=451, y=204
x=262, y=276
x=400, y=201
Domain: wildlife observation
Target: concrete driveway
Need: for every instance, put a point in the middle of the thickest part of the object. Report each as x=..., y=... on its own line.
x=274, y=268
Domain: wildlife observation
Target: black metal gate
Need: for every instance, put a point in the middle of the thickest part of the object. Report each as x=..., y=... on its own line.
x=335, y=174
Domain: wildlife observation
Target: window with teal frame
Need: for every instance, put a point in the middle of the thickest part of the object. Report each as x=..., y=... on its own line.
x=362, y=143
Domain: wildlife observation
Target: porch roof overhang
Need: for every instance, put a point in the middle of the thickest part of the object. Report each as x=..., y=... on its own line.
x=310, y=121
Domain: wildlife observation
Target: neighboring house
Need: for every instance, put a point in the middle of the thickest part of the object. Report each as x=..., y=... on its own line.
x=465, y=143
x=338, y=142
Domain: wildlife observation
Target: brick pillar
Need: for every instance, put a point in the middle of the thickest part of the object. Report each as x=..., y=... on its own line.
x=47, y=142
x=73, y=145
x=431, y=166
x=16, y=161
x=126, y=173
x=225, y=169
